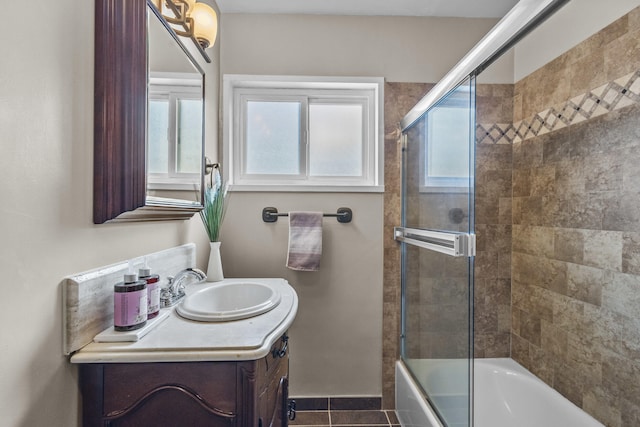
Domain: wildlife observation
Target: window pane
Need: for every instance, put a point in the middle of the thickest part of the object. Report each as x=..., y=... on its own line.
x=273, y=138
x=189, y=150
x=335, y=140
x=448, y=145
x=158, y=137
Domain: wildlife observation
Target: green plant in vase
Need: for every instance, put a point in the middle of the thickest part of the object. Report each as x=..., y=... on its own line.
x=212, y=215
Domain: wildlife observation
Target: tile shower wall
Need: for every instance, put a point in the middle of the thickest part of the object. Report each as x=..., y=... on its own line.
x=576, y=227
x=492, y=281
x=493, y=217
x=573, y=219
x=399, y=99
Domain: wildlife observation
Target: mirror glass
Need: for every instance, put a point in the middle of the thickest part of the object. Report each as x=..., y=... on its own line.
x=175, y=125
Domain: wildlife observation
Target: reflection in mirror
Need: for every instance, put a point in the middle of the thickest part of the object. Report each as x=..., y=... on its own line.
x=127, y=33
x=175, y=143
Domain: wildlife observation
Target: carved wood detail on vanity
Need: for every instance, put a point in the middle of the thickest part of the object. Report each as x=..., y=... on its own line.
x=214, y=394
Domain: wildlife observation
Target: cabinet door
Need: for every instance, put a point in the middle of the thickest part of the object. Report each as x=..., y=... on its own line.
x=198, y=394
x=273, y=390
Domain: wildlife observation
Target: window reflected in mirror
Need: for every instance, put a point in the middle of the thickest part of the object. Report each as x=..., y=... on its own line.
x=174, y=118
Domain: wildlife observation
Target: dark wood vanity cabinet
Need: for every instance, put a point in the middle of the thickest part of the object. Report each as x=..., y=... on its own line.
x=239, y=394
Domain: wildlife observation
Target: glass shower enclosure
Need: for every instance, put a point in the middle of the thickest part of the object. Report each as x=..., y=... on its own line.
x=438, y=248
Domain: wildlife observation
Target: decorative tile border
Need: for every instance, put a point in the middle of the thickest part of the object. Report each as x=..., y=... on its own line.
x=612, y=96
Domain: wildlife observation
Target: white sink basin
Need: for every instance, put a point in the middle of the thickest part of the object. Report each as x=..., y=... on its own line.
x=229, y=301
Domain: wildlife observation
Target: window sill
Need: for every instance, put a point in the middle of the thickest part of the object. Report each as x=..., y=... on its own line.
x=442, y=189
x=174, y=186
x=307, y=188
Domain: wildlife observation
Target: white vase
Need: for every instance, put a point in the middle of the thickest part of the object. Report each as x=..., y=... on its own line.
x=214, y=269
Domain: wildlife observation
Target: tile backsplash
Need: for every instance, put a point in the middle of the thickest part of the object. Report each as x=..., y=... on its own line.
x=88, y=296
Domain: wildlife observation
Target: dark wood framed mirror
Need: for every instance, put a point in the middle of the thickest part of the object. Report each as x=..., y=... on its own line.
x=123, y=190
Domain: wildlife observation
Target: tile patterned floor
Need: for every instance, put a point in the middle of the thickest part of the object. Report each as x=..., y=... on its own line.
x=342, y=412
x=366, y=418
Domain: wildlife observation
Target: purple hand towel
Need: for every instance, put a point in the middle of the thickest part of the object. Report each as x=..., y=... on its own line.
x=305, y=241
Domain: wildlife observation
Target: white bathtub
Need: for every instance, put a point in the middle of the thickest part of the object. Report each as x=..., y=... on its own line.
x=505, y=395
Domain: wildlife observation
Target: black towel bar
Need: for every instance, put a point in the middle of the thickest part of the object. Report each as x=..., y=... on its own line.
x=271, y=214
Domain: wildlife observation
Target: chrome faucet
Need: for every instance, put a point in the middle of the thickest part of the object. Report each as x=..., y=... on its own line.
x=171, y=294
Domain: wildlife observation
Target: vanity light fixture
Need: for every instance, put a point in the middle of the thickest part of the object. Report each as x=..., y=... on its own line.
x=197, y=20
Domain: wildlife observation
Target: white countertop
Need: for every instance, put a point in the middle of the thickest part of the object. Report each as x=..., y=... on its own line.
x=180, y=340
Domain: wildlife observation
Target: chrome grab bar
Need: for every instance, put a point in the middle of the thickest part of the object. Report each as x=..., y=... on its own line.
x=449, y=243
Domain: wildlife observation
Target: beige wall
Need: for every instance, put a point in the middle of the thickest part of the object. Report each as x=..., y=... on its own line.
x=400, y=49
x=46, y=229
x=336, y=343
x=337, y=336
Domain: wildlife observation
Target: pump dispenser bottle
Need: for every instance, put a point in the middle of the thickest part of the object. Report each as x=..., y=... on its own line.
x=153, y=290
x=130, y=303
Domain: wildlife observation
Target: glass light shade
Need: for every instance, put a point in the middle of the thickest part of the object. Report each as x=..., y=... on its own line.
x=205, y=27
x=190, y=4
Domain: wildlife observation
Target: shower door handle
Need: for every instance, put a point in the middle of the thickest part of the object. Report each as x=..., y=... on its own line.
x=449, y=243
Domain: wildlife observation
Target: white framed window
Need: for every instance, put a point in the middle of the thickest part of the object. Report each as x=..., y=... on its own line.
x=445, y=155
x=174, y=131
x=302, y=133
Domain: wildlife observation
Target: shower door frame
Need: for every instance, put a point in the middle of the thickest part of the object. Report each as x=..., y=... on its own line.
x=448, y=242
x=519, y=21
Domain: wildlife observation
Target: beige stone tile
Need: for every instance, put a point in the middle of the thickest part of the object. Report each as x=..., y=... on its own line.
x=529, y=153
x=531, y=210
x=588, y=72
x=543, y=180
x=572, y=210
x=505, y=210
x=568, y=245
x=522, y=183
x=570, y=176
x=584, y=359
x=603, y=249
x=516, y=210
x=621, y=294
x=610, y=331
x=568, y=313
x=541, y=364
x=622, y=211
x=622, y=55
x=520, y=350
x=631, y=170
x=504, y=266
x=630, y=412
x=494, y=183
x=493, y=157
x=530, y=328
x=631, y=252
x=515, y=320
x=634, y=21
x=604, y=173
x=553, y=339
x=599, y=403
x=621, y=374
x=566, y=381
x=487, y=209
x=517, y=106
x=585, y=283
x=533, y=240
